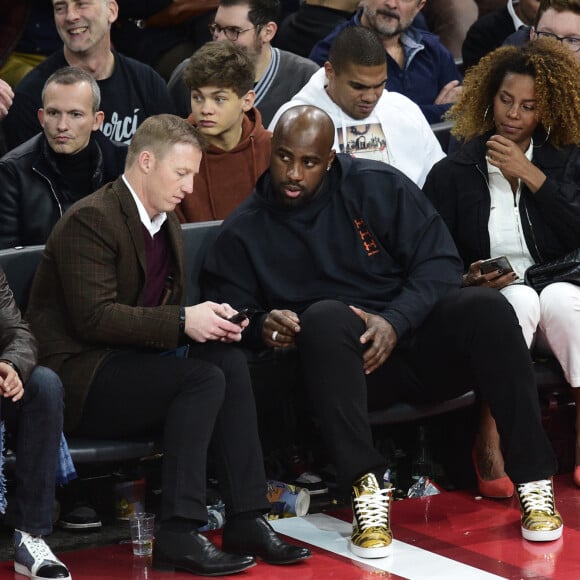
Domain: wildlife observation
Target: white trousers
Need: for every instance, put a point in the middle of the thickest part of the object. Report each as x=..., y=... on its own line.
x=550, y=322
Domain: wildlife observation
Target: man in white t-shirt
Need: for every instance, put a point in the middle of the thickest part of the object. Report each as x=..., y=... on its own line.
x=370, y=122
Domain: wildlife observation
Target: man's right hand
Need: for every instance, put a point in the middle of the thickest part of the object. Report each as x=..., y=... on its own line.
x=207, y=321
x=280, y=328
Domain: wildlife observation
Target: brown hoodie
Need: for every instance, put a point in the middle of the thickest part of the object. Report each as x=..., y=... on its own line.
x=226, y=178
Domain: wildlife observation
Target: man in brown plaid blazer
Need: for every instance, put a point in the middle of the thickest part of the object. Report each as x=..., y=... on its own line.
x=105, y=307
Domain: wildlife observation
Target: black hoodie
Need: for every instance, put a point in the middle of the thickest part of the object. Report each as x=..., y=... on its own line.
x=369, y=238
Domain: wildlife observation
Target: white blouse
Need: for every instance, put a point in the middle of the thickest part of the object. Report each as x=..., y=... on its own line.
x=506, y=235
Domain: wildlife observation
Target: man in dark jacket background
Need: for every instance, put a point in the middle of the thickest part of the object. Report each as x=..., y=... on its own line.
x=71, y=158
x=131, y=91
x=419, y=66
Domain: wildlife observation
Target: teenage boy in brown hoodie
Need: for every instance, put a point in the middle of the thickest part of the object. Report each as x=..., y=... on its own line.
x=221, y=78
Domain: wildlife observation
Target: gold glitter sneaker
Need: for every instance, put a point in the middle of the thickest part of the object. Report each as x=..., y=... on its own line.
x=371, y=530
x=540, y=520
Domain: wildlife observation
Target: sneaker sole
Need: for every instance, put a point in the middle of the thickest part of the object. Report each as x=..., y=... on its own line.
x=22, y=569
x=541, y=535
x=319, y=492
x=371, y=552
x=89, y=526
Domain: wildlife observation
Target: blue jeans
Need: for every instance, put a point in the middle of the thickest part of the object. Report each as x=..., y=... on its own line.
x=36, y=422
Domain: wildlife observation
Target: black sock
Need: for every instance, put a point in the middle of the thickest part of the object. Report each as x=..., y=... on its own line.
x=244, y=516
x=380, y=475
x=183, y=525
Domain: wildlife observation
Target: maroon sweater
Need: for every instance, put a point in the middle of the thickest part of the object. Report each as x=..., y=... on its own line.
x=160, y=265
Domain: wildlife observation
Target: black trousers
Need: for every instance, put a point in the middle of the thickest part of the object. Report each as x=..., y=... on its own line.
x=471, y=340
x=199, y=402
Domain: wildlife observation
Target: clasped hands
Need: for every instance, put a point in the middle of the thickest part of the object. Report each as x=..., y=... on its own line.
x=281, y=327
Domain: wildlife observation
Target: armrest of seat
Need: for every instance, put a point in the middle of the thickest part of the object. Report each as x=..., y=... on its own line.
x=406, y=413
x=103, y=450
x=197, y=238
x=443, y=133
x=19, y=265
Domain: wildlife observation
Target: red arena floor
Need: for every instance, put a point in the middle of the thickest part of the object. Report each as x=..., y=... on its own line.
x=454, y=535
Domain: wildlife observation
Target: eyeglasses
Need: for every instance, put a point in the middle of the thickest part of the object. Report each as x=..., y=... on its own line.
x=571, y=42
x=230, y=32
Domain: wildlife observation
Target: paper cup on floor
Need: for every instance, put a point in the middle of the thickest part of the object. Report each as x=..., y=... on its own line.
x=288, y=500
x=129, y=498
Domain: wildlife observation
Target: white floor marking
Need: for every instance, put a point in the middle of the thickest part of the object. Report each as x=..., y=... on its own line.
x=407, y=561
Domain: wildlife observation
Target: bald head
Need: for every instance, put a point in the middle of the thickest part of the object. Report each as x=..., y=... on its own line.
x=301, y=154
x=311, y=122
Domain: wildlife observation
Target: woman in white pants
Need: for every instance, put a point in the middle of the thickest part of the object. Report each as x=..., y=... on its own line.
x=513, y=189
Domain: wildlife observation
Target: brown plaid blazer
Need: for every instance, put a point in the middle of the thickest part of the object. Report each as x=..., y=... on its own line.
x=88, y=290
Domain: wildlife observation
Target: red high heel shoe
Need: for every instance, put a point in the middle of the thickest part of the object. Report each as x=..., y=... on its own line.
x=577, y=475
x=500, y=488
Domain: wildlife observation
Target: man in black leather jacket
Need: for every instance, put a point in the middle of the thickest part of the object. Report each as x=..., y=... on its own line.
x=71, y=158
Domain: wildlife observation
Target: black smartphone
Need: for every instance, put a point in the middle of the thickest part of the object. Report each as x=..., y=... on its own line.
x=240, y=316
x=501, y=265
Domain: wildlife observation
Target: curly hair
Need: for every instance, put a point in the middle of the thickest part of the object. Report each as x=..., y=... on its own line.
x=556, y=77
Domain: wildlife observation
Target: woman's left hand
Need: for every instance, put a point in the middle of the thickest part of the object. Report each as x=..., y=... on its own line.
x=495, y=279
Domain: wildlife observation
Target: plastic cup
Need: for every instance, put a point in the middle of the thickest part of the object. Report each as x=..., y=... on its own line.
x=142, y=525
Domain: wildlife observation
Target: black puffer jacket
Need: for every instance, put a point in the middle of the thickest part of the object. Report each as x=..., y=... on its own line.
x=32, y=189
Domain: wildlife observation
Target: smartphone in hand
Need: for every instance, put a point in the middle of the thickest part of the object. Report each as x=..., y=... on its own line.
x=240, y=316
x=501, y=265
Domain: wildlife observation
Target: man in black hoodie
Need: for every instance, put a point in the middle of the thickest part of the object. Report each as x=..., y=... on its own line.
x=346, y=261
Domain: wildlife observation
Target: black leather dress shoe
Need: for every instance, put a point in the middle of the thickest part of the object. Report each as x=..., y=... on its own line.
x=193, y=552
x=256, y=537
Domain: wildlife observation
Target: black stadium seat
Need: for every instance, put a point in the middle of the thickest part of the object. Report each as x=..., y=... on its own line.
x=20, y=264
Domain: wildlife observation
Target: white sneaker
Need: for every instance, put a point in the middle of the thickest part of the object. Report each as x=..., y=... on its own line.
x=33, y=558
x=541, y=522
x=312, y=482
x=371, y=530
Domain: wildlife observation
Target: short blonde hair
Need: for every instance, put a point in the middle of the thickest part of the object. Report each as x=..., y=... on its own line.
x=159, y=134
